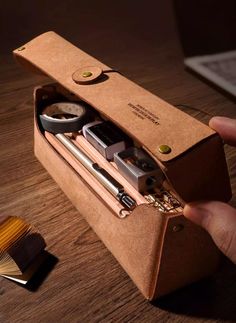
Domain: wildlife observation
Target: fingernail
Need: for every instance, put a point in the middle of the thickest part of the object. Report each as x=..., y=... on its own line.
x=196, y=213
x=218, y=120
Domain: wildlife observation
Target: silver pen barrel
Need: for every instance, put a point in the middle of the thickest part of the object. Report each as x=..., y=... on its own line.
x=114, y=187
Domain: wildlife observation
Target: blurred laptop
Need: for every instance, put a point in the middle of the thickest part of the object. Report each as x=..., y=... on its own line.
x=208, y=35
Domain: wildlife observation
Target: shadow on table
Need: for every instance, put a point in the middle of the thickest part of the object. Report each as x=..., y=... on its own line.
x=43, y=271
x=211, y=298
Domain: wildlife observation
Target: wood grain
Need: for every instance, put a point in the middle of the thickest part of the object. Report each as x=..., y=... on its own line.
x=87, y=284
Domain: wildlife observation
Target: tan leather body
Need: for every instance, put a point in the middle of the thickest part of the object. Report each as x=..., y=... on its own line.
x=156, y=256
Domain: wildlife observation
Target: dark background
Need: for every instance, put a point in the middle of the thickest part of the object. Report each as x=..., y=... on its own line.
x=92, y=24
x=204, y=25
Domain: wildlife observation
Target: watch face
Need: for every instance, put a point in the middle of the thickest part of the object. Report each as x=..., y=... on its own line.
x=107, y=133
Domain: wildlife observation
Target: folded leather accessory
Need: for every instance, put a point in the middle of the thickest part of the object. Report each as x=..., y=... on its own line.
x=160, y=250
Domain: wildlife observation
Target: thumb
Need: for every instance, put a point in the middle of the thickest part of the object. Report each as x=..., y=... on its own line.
x=226, y=128
x=219, y=219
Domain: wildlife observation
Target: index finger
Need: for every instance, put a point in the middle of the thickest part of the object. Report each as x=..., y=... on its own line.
x=226, y=128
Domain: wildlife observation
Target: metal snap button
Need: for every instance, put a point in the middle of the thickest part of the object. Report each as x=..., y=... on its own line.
x=87, y=74
x=164, y=149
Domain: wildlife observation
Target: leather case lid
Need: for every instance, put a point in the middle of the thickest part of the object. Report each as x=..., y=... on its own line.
x=151, y=121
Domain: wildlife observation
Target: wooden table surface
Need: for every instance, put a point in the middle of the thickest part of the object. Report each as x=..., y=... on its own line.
x=83, y=282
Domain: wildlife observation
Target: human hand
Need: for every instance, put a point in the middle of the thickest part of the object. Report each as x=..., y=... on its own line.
x=218, y=218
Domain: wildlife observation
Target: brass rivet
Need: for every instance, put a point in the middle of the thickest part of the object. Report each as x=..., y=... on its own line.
x=87, y=74
x=20, y=49
x=164, y=149
x=177, y=228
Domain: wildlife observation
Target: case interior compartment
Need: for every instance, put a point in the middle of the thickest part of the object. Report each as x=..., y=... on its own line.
x=53, y=93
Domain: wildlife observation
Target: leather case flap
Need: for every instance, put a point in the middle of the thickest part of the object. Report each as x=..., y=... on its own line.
x=149, y=120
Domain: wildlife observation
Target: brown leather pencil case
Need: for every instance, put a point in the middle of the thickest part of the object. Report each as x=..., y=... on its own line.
x=159, y=249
